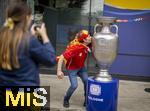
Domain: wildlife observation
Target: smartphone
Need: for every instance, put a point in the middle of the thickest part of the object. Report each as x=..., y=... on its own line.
x=38, y=19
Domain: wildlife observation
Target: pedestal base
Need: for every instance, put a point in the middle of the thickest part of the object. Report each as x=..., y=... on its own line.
x=102, y=96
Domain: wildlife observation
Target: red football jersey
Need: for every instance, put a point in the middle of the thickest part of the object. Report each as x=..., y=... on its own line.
x=75, y=56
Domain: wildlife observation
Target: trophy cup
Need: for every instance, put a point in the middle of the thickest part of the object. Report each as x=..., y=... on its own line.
x=105, y=44
x=102, y=90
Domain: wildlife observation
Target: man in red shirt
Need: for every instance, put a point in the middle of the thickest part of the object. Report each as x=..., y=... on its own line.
x=74, y=57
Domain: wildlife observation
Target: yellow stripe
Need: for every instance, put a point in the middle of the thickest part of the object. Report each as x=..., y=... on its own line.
x=85, y=31
x=129, y=4
x=65, y=61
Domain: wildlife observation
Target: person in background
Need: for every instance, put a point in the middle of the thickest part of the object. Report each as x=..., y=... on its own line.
x=74, y=57
x=20, y=50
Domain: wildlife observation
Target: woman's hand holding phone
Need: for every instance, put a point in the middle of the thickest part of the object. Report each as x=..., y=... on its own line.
x=40, y=31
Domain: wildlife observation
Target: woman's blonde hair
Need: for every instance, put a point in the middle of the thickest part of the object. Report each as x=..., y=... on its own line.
x=12, y=33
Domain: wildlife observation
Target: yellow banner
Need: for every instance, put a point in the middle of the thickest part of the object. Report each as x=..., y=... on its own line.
x=129, y=4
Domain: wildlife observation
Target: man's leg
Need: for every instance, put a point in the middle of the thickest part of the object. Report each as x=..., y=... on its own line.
x=72, y=74
x=84, y=77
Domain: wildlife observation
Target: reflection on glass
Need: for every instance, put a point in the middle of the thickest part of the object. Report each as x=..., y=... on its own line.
x=75, y=16
x=64, y=18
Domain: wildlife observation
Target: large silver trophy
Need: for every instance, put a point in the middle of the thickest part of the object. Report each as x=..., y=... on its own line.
x=105, y=46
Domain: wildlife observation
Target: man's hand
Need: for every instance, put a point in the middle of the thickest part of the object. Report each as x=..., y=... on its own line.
x=60, y=74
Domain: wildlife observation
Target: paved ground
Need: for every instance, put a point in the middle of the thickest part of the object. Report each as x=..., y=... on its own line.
x=132, y=96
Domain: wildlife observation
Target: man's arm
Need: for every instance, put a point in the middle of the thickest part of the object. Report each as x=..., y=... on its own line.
x=60, y=73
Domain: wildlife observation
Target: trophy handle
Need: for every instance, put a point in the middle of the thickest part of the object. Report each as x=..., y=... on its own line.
x=115, y=26
x=95, y=27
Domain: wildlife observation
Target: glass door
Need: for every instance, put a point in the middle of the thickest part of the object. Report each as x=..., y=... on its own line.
x=64, y=18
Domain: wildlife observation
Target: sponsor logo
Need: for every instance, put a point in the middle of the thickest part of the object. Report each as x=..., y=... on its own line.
x=95, y=89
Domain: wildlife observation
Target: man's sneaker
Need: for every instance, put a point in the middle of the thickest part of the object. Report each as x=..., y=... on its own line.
x=84, y=104
x=66, y=104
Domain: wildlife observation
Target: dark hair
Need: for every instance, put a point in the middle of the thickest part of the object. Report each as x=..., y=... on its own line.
x=18, y=12
x=12, y=34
